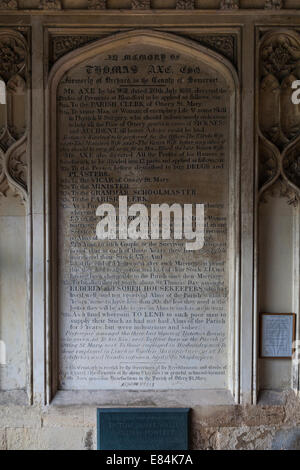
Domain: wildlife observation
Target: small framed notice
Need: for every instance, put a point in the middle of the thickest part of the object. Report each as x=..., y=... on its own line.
x=277, y=335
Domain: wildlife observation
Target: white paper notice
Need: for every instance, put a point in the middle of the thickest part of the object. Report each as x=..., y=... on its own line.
x=277, y=335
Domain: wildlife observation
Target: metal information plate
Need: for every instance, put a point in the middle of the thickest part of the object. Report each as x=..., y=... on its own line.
x=143, y=429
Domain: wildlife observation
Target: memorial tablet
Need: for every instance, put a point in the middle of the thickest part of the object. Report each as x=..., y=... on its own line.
x=151, y=122
x=143, y=429
x=278, y=334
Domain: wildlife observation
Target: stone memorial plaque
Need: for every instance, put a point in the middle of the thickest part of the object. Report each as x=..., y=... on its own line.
x=153, y=123
x=143, y=429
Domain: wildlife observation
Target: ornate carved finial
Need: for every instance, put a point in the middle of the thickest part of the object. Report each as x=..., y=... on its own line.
x=229, y=4
x=185, y=4
x=8, y=5
x=140, y=4
x=96, y=4
x=273, y=4
x=50, y=5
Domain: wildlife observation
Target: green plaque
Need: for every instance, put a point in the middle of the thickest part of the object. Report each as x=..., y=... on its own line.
x=143, y=428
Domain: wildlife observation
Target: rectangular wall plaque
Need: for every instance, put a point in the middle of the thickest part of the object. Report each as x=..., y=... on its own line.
x=143, y=429
x=277, y=334
x=144, y=314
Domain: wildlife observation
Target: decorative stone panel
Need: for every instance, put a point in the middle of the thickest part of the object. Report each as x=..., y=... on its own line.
x=13, y=123
x=279, y=117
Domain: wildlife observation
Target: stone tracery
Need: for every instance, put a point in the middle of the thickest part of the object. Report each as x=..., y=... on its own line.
x=13, y=70
x=279, y=117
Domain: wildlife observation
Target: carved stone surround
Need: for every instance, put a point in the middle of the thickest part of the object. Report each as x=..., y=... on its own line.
x=79, y=55
x=279, y=118
x=14, y=75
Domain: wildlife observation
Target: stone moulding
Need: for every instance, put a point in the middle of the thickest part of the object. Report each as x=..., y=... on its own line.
x=50, y=5
x=273, y=4
x=53, y=5
x=268, y=163
x=140, y=4
x=223, y=44
x=61, y=45
x=96, y=4
x=185, y=4
x=8, y=5
x=229, y=5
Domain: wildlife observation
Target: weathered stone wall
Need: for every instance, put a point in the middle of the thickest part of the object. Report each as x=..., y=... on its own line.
x=268, y=427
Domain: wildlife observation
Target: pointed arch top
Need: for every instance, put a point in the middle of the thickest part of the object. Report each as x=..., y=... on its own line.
x=148, y=37
x=224, y=82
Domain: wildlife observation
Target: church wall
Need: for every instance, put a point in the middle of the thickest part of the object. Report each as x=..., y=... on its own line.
x=262, y=409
